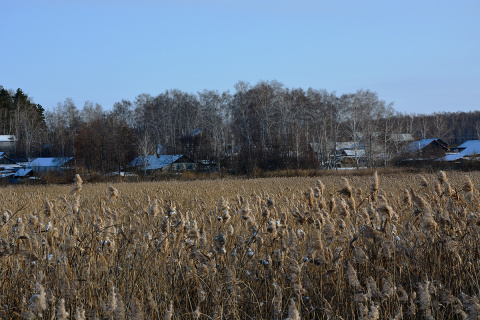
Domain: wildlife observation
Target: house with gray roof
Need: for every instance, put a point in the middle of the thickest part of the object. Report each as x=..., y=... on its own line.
x=44, y=165
x=162, y=163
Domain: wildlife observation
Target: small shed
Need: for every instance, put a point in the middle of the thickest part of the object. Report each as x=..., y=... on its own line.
x=163, y=163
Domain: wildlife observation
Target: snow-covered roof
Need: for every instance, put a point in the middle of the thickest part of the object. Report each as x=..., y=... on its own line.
x=49, y=162
x=4, y=174
x=344, y=145
x=153, y=162
x=472, y=145
x=22, y=172
x=7, y=138
x=348, y=145
x=450, y=157
x=468, y=148
x=10, y=166
x=351, y=152
x=420, y=144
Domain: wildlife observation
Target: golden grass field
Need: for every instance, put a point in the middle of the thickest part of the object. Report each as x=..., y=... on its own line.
x=393, y=246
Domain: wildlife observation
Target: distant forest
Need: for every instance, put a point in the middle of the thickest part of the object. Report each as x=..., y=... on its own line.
x=265, y=126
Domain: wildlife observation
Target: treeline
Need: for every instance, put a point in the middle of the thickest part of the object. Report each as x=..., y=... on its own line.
x=22, y=118
x=265, y=126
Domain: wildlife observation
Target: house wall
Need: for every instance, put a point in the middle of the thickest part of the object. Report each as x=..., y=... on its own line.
x=48, y=169
x=433, y=150
x=7, y=146
x=4, y=160
x=185, y=166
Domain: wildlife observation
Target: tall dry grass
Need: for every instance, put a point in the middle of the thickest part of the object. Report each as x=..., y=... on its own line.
x=386, y=246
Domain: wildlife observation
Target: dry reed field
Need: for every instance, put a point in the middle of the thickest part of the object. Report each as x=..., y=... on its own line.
x=364, y=247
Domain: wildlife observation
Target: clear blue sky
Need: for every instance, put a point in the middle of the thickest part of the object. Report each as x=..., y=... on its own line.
x=422, y=55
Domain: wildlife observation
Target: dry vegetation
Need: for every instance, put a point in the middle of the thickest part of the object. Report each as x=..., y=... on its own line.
x=379, y=247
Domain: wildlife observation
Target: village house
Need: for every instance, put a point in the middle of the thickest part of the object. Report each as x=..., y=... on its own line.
x=348, y=153
x=469, y=150
x=424, y=149
x=46, y=165
x=342, y=154
x=162, y=163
